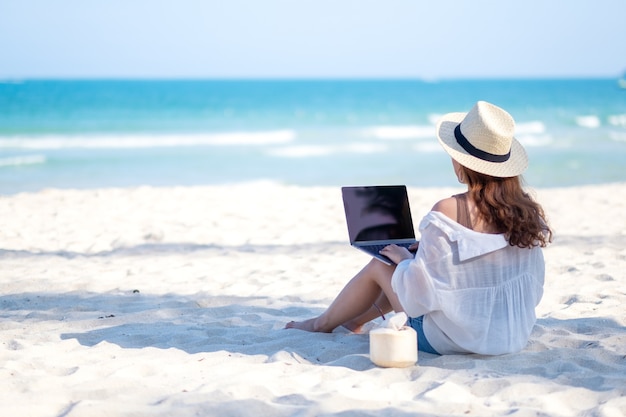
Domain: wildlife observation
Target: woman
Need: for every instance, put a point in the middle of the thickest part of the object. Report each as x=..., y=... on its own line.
x=477, y=276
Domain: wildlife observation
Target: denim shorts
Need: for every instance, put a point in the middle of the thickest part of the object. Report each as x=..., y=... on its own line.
x=417, y=323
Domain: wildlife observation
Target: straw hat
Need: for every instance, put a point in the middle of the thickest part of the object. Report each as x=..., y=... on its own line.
x=482, y=140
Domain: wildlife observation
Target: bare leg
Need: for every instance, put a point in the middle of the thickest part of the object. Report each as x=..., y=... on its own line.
x=384, y=307
x=354, y=302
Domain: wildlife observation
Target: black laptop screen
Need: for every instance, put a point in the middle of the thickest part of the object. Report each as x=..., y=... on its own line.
x=377, y=213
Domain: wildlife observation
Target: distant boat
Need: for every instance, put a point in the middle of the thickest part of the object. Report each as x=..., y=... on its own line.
x=622, y=81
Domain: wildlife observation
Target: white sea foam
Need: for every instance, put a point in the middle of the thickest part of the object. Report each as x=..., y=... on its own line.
x=400, y=132
x=363, y=148
x=532, y=134
x=618, y=120
x=304, y=151
x=534, y=140
x=590, y=122
x=434, y=118
x=22, y=160
x=301, y=151
x=527, y=128
x=618, y=136
x=429, y=147
x=149, y=141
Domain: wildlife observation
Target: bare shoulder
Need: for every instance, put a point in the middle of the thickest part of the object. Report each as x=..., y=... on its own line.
x=447, y=206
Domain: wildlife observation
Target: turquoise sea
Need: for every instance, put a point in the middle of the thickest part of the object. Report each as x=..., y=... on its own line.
x=112, y=133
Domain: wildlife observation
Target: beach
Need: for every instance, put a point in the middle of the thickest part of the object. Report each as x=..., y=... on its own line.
x=172, y=301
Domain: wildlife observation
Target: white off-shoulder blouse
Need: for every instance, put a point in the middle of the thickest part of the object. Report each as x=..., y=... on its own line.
x=476, y=292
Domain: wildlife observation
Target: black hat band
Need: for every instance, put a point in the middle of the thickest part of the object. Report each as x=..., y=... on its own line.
x=474, y=151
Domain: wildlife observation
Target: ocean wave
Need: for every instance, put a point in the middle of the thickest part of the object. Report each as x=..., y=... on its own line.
x=433, y=118
x=22, y=160
x=590, y=122
x=618, y=120
x=532, y=134
x=400, y=132
x=149, y=141
x=427, y=147
x=534, y=140
x=305, y=151
x=530, y=128
x=618, y=136
x=301, y=151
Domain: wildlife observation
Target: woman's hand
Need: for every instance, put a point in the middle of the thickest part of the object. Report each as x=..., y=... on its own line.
x=396, y=253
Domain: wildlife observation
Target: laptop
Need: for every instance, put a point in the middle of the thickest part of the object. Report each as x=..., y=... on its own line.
x=378, y=216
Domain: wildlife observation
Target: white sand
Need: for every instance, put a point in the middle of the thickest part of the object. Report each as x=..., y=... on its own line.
x=171, y=302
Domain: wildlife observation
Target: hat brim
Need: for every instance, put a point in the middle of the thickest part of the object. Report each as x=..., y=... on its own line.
x=514, y=166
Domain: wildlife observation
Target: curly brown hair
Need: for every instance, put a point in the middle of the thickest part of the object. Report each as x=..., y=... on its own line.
x=503, y=203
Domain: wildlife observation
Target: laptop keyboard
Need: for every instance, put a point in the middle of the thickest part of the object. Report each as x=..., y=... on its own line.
x=375, y=249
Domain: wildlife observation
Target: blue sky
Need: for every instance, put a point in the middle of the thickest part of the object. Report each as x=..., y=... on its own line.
x=311, y=39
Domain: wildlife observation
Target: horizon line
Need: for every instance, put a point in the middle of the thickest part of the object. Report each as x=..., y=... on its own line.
x=319, y=78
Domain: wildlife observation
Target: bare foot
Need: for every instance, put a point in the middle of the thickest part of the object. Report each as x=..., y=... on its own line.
x=307, y=325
